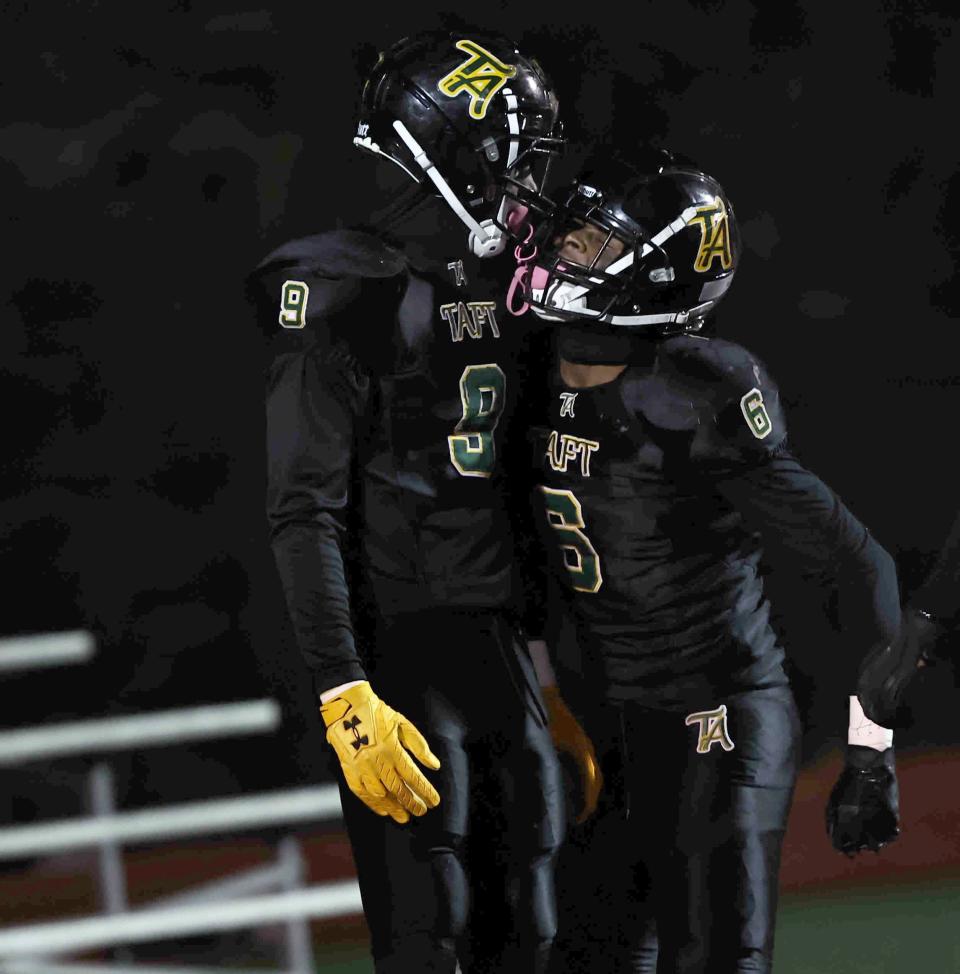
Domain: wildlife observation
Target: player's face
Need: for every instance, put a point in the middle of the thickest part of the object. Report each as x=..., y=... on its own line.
x=583, y=243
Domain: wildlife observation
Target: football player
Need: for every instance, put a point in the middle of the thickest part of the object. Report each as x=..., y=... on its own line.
x=395, y=375
x=928, y=636
x=666, y=478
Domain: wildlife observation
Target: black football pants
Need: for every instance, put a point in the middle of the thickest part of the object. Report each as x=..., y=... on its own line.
x=472, y=880
x=677, y=871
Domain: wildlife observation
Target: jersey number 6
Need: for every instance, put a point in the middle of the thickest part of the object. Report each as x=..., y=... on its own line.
x=472, y=448
x=579, y=555
x=755, y=413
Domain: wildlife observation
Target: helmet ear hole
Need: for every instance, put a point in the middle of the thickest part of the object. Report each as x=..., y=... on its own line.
x=662, y=275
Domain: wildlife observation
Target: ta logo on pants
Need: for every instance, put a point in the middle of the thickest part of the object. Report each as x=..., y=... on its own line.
x=713, y=729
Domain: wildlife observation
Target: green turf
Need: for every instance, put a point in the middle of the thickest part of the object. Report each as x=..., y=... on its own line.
x=343, y=960
x=890, y=930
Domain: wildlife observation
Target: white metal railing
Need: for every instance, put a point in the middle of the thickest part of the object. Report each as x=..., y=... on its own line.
x=142, y=730
x=45, y=649
x=264, y=895
x=63, y=936
x=175, y=821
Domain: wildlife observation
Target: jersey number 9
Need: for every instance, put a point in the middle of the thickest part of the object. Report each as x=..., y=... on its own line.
x=293, y=304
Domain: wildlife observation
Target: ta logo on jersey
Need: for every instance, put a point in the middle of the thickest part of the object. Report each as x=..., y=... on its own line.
x=562, y=448
x=481, y=76
x=293, y=304
x=469, y=317
x=459, y=274
x=567, y=399
x=713, y=729
x=755, y=413
x=714, y=236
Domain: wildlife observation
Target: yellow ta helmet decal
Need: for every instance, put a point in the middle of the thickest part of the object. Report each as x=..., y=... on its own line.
x=481, y=76
x=714, y=236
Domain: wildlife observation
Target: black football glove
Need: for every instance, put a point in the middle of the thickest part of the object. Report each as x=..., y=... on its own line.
x=863, y=811
x=887, y=672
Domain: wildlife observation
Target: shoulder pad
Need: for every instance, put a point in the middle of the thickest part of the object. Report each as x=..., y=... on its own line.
x=337, y=253
x=715, y=391
x=303, y=289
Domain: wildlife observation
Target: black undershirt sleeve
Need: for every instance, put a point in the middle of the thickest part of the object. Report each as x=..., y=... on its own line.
x=800, y=518
x=940, y=593
x=533, y=590
x=314, y=402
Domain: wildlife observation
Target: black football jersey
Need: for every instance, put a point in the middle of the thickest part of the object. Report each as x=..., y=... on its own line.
x=661, y=491
x=390, y=393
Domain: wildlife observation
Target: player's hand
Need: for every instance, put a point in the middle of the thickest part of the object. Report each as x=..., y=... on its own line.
x=888, y=671
x=570, y=738
x=863, y=811
x=374, y=744
x=938, y=642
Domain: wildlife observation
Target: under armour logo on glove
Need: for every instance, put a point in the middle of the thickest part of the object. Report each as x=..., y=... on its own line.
x=358, y=741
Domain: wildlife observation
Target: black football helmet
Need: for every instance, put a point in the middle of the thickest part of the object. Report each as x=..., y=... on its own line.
x=470, y=114
x=679, y=246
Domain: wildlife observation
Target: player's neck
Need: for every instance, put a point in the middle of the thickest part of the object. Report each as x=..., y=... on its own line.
x=578, y=375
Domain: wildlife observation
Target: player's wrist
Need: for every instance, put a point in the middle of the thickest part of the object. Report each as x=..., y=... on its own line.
x=540, y=656
x=327, y=695
x=342, y=699
x=863, y=732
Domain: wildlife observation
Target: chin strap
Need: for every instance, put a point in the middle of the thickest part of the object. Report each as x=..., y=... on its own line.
x=486, y=239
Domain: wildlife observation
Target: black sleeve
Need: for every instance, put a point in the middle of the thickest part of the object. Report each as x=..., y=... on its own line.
x=524, y=499
x=940, y=593
x=800, y=518
x=314, y=402
x=530, y=556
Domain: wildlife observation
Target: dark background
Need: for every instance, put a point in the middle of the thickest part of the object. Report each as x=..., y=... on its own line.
x=152, y=153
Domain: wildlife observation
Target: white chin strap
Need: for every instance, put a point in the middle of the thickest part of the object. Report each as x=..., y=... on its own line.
x=492, y=244
x=572, y=298
x=486, y=239
x=560, y=300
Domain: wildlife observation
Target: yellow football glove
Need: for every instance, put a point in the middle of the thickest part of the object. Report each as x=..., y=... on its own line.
x=372, y=741
x=570, y=738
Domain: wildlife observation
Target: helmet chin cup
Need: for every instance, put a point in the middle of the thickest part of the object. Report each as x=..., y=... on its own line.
x=563, y=297
x=492, y=245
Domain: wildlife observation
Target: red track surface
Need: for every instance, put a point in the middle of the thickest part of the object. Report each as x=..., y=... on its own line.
x=929, y=844
x=929, y=847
